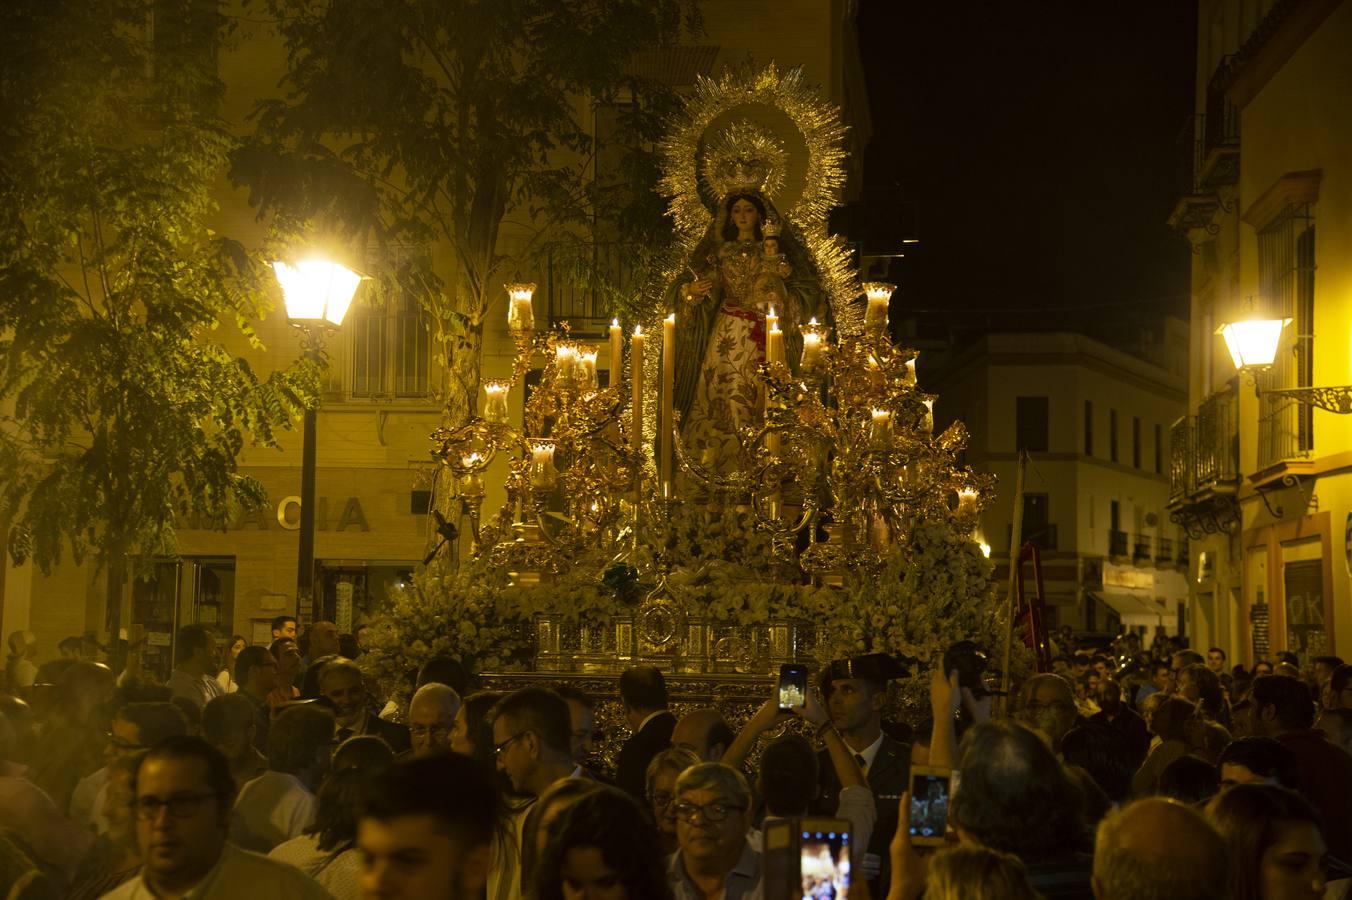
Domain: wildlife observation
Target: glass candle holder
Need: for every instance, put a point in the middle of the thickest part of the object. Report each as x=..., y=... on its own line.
x=520, y=311
x=495, y=400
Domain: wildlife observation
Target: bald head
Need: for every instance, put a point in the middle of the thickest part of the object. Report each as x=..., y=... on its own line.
x=704, y=732
x=431, y=714
x=1159, y=848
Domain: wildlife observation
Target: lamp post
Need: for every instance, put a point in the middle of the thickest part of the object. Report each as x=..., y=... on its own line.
x=317, y=295
x=1253, y=348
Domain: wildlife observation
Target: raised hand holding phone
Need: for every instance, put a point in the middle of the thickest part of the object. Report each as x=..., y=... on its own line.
x=909, y=868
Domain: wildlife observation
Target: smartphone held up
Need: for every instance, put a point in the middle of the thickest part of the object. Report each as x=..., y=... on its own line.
x=792, y=692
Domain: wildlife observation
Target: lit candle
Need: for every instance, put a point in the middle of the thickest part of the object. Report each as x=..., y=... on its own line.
x=929, y=417
x=472, y=485
x=812, y=346
x=879, y=295
x=565, y=357
x=771, y=323
x=636, y=383
x=881, y=431
x=542, y=473
x=587, y=367
x=668, y=390
x=616, y=351
x=520, y=313
x=774, y=345
x=495, y=401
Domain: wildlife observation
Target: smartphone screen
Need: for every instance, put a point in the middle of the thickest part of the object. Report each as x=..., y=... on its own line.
x=792, y=686
x=824, y=863
x=930, y=792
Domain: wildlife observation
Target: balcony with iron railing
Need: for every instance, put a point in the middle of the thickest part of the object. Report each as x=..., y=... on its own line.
x=584, y=281
x=1140, y=548
x=1204, y=468
x=1164, y=551
x=1217, y=448
x=1182, y=458
x=1218, y=160
x=1204, y=449
x=1197, y=202
x=1118, y=544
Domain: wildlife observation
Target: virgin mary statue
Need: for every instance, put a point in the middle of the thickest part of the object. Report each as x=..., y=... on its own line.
x=748, y=264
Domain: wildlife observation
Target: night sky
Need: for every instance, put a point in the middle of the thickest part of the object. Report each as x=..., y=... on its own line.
x=1037, y=142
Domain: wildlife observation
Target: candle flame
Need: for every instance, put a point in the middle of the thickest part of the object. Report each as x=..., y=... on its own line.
x=812, y=321
x=638, y=330
x=614, y=323
x=772, y=310
x=672, y=318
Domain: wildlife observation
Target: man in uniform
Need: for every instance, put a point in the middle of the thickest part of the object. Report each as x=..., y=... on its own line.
x=855, y=692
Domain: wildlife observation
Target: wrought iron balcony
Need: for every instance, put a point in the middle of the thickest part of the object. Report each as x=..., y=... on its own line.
x=1164, y=550
x=1204, y=471
x=583, y=281
x=1118, y=542
x=1217, y=454
x=1182, y=458
x=1197, y=203
x=1140, y=548
x=1219, y=159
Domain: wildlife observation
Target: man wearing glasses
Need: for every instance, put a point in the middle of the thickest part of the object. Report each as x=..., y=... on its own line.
x=431, y=716
x=533, y=740
x=713, y=819
x=182, y=800
x=135, y=727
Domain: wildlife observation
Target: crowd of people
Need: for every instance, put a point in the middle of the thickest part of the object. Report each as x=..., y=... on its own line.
x=283, y=771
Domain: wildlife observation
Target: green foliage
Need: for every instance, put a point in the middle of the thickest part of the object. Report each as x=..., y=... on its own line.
x=126, y=404
x=415, y=122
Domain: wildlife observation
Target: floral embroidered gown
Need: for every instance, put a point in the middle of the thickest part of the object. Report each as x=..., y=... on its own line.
x=728, y=394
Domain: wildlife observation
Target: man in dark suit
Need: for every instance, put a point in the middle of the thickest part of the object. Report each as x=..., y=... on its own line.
x=643, y=694
x=1122, y=719
x=342, y=685
x=855, y=691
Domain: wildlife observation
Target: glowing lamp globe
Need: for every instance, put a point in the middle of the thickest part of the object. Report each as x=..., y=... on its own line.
x=1253, y=343
x=317, y=292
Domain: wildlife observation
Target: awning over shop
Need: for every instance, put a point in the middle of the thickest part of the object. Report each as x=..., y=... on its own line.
x=1136, y=608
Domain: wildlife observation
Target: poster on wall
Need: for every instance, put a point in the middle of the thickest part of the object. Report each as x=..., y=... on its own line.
x=1259, y=619
x=1304, y=583
x=342, y=612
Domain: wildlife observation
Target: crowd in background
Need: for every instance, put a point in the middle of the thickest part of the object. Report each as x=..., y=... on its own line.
x=1128, y=772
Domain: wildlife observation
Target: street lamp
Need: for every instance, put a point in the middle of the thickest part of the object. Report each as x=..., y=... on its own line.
x=1252, y=343
x=1253, y=347
x=317, y=293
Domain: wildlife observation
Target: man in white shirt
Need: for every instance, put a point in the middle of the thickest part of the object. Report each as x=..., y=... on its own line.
x=280, y=804
x=182, y=803
x=197, y=661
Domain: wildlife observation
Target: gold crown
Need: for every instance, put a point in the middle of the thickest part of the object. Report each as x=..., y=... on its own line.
x=734, y=176
x=745, y=158
x=771, y=229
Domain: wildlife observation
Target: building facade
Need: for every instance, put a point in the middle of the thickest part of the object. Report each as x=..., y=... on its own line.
x=1094, y=421
x=381, y=399
x=1262, y=482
